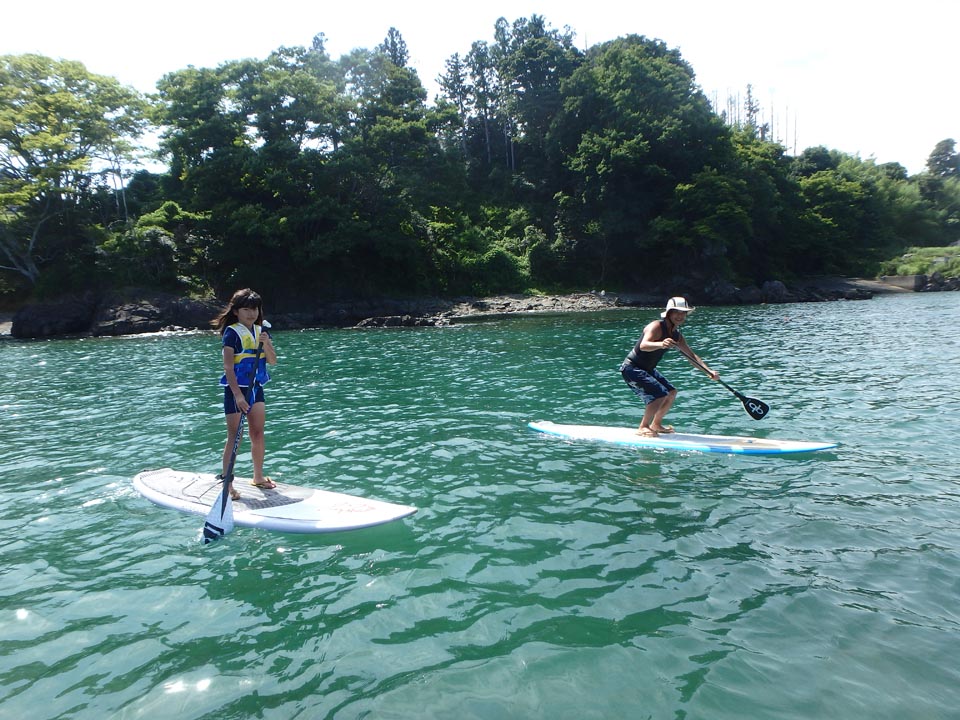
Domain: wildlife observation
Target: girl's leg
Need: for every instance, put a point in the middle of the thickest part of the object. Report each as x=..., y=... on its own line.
x=256, y=419
x=233, y=422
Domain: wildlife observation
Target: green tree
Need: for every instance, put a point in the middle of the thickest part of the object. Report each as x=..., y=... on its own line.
x=772, y=200
x=835, y=208
x=943, y=198
x=61, y=128
x=188, y=236
x=944, y=161
x=289, y=105
x=203, y=131
x=484, y=89
x=938, y=187
x=141, y=256
x=913, y=220
x=533, y=60
x=814, y=160
x=456, y=92
x=633, y=125
x=251, y=144
x=395, y=48
x=706, y=226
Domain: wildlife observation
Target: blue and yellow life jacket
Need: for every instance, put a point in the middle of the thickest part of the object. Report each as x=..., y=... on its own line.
x=243, y=360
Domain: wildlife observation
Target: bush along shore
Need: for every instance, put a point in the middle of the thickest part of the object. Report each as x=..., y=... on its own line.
x=136, y=312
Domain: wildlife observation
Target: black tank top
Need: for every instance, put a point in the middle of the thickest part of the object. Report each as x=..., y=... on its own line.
x=648, y=359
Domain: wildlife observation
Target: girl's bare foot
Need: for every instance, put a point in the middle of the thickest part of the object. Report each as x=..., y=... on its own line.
x=646, y=432
x=664, y=429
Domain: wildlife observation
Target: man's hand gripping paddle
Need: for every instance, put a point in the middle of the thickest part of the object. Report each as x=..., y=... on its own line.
x=220, y=518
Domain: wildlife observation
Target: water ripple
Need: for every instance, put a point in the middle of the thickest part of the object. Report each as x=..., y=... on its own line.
x=539, y=577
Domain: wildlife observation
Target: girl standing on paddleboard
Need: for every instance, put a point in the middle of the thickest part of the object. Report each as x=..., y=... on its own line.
x=639, y=369
x=241, y=327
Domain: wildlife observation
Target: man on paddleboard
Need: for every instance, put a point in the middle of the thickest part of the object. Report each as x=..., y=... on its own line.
x=639, y=369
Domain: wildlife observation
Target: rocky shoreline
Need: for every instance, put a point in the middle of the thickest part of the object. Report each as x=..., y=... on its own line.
x=146, y=312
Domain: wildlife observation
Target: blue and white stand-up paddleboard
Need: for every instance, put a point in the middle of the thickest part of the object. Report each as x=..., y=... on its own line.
x=679, y=441
x=287, y=508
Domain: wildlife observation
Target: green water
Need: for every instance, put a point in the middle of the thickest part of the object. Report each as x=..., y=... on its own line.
x=540, y=578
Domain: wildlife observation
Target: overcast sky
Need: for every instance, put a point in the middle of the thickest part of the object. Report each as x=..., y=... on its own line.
x=863, y=77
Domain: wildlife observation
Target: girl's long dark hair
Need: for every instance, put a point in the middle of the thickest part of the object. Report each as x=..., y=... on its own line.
x=245, y=298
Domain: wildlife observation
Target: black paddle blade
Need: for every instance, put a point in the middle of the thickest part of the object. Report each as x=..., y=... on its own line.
x=212, y=532
x=756, y=408
x=219, y=520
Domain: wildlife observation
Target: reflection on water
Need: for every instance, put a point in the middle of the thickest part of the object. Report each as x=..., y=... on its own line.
x=540, y=577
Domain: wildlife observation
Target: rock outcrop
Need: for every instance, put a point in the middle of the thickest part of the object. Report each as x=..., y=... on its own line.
x=65, y=317
x=143, y=312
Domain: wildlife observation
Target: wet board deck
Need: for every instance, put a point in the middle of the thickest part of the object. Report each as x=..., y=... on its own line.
x=288, y=508
x=680, y=441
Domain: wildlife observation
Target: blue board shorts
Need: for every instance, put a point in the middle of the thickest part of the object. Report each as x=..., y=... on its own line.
x=649, y=386
x=230, y=406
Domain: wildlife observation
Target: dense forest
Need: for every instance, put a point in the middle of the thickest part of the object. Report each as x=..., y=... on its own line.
x=539, y=166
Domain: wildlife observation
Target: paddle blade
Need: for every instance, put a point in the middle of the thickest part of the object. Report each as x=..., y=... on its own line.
x=219, y=520
x=757, y=409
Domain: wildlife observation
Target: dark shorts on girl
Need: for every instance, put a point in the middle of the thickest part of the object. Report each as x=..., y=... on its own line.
x=649, y=386
x=230, y=406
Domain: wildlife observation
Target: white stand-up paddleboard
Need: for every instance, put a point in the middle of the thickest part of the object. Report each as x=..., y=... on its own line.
x=287, y=508
x=680, y=441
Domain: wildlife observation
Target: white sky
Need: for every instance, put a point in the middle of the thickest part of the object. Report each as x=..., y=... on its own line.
x=869, y=78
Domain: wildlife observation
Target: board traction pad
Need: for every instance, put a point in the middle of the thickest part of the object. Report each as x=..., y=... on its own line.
x=205, y=489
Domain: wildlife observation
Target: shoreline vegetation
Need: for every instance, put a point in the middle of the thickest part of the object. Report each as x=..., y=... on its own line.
x=539, y=166
x=151, y=312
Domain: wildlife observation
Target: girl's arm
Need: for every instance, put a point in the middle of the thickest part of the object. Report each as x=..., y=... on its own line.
x=269, y=352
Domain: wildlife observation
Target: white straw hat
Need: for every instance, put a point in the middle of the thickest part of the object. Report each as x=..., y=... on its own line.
x=677, y=303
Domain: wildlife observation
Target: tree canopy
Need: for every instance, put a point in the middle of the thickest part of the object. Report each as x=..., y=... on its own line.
x=64, y=133
x=539, y=165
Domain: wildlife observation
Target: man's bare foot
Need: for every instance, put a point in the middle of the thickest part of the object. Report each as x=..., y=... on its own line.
x=647, y=432
x=664, y=429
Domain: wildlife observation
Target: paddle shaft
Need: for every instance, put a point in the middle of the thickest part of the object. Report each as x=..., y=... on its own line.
x=697, y=364
x=756, y=408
